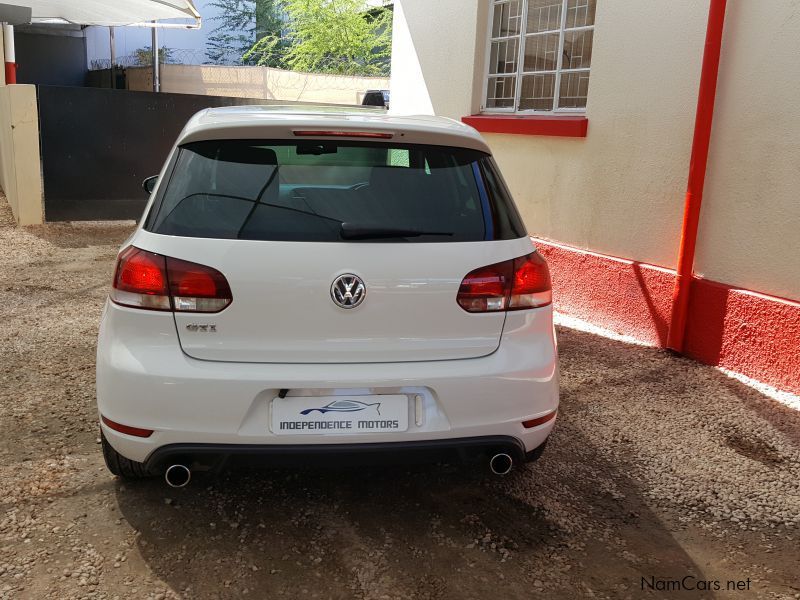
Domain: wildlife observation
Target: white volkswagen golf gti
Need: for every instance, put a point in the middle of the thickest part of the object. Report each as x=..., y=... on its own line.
x=327, y=283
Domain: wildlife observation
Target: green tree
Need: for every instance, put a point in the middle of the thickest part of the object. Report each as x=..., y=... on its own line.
x=239, y=24
x=330, y=36
x=270, y=22
x=144, y=56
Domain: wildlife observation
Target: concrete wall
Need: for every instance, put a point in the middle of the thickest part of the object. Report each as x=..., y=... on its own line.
x=619, y=191
x=139, y=79
x=256, y=82
x=20, y=164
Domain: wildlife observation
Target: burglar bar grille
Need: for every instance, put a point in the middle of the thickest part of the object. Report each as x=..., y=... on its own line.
x=539, y=55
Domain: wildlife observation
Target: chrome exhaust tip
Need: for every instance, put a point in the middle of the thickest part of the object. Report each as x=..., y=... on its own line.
x=177, y=476
x=501, y=463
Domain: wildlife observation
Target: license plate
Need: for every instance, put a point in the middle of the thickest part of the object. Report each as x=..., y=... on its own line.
x=342, y=415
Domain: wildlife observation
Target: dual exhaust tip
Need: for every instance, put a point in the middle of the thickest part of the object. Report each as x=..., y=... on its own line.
x=501, y=463
x=178, y=475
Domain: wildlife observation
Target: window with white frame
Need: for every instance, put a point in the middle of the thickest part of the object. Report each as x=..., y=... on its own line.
x=539, y=55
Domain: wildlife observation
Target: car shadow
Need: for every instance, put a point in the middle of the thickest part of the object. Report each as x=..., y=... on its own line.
x=558, y=527
x=581, y=522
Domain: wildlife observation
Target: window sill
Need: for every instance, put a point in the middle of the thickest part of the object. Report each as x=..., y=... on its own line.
x=555, y=125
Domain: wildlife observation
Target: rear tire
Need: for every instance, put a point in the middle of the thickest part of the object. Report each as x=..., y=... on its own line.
x=121, y=466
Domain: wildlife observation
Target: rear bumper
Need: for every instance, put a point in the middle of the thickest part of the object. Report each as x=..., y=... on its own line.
x=145, y=380
x=212, y=455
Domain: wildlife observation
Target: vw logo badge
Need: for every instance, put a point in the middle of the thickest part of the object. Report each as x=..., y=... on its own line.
x=348, y=291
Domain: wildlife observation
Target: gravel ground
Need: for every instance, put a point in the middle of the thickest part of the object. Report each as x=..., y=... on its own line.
x=659, y=468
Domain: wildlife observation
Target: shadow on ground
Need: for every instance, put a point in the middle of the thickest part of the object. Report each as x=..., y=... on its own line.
x=435, y=531
x=591, y=519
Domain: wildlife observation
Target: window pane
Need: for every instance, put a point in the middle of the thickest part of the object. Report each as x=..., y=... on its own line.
x=577, y=49
x=574, y=89
x=546, y=47
x=504, y=55
x=580, y=13
x=541, y=52
x=507, y=19
x=537, y=92
x=501, y=92
x=304, y=191
x=544, y=15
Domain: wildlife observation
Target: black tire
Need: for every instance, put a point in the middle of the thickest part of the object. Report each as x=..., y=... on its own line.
x=121, y=466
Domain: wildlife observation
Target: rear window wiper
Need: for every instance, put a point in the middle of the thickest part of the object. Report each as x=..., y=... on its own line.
x=354, y=231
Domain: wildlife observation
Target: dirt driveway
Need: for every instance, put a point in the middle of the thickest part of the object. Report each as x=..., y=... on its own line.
x=661, y=474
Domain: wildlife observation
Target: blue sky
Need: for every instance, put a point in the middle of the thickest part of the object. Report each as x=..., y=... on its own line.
x=128, y=39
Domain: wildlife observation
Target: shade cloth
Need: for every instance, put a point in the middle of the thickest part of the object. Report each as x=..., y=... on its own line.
x=112, y=12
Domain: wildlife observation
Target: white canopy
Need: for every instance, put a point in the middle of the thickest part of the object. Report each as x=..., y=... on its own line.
x=113, y=12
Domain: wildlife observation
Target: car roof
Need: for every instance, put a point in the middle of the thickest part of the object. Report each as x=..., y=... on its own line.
x=281, y=122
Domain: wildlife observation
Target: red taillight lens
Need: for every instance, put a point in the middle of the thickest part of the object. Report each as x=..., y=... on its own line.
x=141, y=280
x=486, y=289
x=511, y=285
x=196, y=288
x=154, y=282
x=532, y=286
x=141, y=272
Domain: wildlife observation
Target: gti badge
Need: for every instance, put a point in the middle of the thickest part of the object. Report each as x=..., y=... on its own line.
x=202, y=328
x=348, y=291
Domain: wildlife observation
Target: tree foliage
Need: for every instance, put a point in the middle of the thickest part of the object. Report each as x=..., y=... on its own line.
x=329, y=36
x=239, y=24
x=144, y=56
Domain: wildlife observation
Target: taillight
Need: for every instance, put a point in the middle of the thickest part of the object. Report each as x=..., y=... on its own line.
x=154, y=282
x=196, y=288
x=532, y=286
x=486, y=289
x=515, y=284
x=141, y=280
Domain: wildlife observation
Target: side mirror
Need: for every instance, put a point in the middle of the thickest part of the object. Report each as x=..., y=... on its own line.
x=149, y=184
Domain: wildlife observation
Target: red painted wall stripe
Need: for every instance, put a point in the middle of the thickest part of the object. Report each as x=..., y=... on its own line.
x=555, y=125
x=741, y=330
x=621, y=295
x=744, y=331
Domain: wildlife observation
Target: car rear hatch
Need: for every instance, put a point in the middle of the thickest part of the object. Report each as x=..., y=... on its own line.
x=335, y=252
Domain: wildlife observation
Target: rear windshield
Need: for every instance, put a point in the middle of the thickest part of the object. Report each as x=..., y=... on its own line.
x=333, y=191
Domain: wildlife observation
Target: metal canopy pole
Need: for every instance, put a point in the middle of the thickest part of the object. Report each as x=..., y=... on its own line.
x=156, y=81
x=113, y=58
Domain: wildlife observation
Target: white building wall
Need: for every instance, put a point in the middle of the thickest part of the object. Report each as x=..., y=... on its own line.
x=750, y=220
x=434, y=46
x=620, y=190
